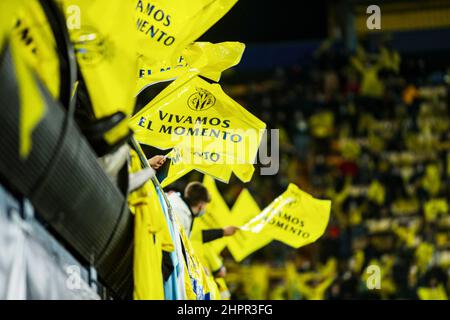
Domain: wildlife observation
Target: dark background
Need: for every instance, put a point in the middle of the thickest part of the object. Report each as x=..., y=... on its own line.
x=256, y=21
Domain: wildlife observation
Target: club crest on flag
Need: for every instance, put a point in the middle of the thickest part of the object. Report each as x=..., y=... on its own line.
x=201, y=100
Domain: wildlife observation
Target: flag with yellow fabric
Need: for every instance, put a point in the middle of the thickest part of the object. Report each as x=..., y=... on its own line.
x=434, y=208
x=180, y=165
x=194, y=278
x=214, y=133
x=201, y=284
x=209, y=258
x=376, y=192
x=212, y=262
x=256, y=281
x=431, y=181
x=211, y=59
x=424, y=255
x=199, y=58
x=436, y=293
x=244, y=243
x=317, y=291
x=7, y=20
x=165, y=28
x=295, y=218
x=34, y=41
x=105, y=44
x=217, y=216
x=31, y=99
x=151, y=237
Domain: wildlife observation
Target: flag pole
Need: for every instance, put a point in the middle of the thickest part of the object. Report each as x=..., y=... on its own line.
x=145, y=164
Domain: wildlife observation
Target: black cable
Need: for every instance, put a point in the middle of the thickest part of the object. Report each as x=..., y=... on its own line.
x=65, y=51
x=68, y=66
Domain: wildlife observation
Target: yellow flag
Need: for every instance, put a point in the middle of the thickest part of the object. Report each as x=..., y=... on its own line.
x=151, y=236
x=35, y=42
x=211, y=59
x=424, y=254
x=295, y=218
x=204, y=58
x=431, y=181
x=435, y=207
x=217, y=216
x=105, y=43
x=243, y=242
x=208, y=256
x=214, y=133
x=8, y=9
x=376, y=192
x=256, y=282
x=197, y=274
x=149, y=74
x=180, y=165
x=437, y=293
x=165, y=28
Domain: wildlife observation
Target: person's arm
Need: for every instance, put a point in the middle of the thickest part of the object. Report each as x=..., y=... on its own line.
x=211, y=235
x=157, y=161
x=214, y=234
x=137, y=179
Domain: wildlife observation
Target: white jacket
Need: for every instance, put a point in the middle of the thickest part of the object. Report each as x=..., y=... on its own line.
x=182, y=212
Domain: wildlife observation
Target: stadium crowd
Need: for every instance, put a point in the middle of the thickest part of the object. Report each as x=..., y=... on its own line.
x=371, y=132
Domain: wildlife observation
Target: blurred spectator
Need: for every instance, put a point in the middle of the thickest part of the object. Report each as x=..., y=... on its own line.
x=369, y=131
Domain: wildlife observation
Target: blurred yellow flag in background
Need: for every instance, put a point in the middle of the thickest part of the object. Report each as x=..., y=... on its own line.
x=243, y=243
x=295, y=218
x=217, y=216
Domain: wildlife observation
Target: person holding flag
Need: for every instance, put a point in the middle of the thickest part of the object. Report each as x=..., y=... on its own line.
x=192, y=205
